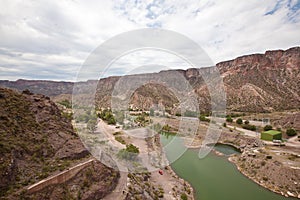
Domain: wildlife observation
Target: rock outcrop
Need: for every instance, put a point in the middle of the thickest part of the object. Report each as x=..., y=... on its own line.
x=37, y=141
x=253, y=83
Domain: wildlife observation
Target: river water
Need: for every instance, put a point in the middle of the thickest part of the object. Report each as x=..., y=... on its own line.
x=214, y=177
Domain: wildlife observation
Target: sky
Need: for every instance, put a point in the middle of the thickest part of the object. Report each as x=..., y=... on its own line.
x=51, y=40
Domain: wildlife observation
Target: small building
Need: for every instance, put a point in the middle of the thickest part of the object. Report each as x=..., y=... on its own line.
x=271, y=135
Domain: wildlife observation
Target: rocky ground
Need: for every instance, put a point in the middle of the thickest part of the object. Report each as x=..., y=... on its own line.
x=143, y=180
x=37, y=141
x=93, y=182
x=269, y=171
x=155, y=186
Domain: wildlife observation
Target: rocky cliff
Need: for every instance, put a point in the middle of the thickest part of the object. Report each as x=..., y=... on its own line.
x=263, y=82
x=36, y=141
x=253, y=83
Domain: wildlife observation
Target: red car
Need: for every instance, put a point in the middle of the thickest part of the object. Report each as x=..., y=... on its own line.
x=161, y=172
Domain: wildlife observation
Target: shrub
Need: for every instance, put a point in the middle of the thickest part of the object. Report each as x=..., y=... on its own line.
x=107, y=116
x=130, y=153
x=249, y=127
x=224, y=124
x=239, y=121
x=268, y=127
x=111, y=121
x=203, y=118
x=229, y=119
x=166, y=128
x=132, y=149
x=246, y=122
x=183, y=196
x=291, y=132
x=120, y=139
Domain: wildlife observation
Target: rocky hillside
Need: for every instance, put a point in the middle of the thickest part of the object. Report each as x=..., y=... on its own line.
x=263, y=82
x=48, y=88
x=253, y=83
x=36, y=141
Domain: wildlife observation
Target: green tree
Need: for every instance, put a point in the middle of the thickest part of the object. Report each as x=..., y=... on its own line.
x=268, y=127
x=249, y=127
x=166, y=128
x=107, y=116
x=203, y=118
x=130, y=153
x=111, y=121
x=239, y=121
x=183, y=196
x=291, y=132
x=229, y=119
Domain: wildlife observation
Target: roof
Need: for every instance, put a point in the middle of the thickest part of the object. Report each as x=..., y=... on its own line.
x=272, y=132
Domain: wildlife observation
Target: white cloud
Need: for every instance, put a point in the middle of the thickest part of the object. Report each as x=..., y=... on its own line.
x=47, y=38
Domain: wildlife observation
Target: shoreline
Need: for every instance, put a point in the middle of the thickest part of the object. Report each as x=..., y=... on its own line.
x=261, y=184
x=173, y=173
x=240, y=147
x=232, y=159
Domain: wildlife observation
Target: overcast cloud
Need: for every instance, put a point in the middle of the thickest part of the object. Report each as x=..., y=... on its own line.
x=51, y=39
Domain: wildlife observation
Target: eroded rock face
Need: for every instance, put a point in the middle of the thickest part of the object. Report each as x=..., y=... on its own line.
x=263, y=82
x=37, y=141
x=254, y=83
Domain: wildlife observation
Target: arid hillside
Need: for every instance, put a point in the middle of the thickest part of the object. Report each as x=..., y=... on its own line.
x=253, y=83
x=263, y=82
x=37, y=141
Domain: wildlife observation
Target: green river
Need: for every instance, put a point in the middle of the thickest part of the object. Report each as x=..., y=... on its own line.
x=214, y=177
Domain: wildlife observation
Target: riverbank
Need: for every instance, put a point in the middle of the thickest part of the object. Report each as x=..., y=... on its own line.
x=271, y=175
x=274, y=168
x=175, y=186
x=214, y=177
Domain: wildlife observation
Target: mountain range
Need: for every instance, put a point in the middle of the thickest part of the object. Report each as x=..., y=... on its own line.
x=253, y=83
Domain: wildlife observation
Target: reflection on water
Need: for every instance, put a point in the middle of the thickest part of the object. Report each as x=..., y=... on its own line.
x=226, y=149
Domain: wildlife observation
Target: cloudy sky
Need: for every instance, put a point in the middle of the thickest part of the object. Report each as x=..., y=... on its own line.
x=52, y=39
